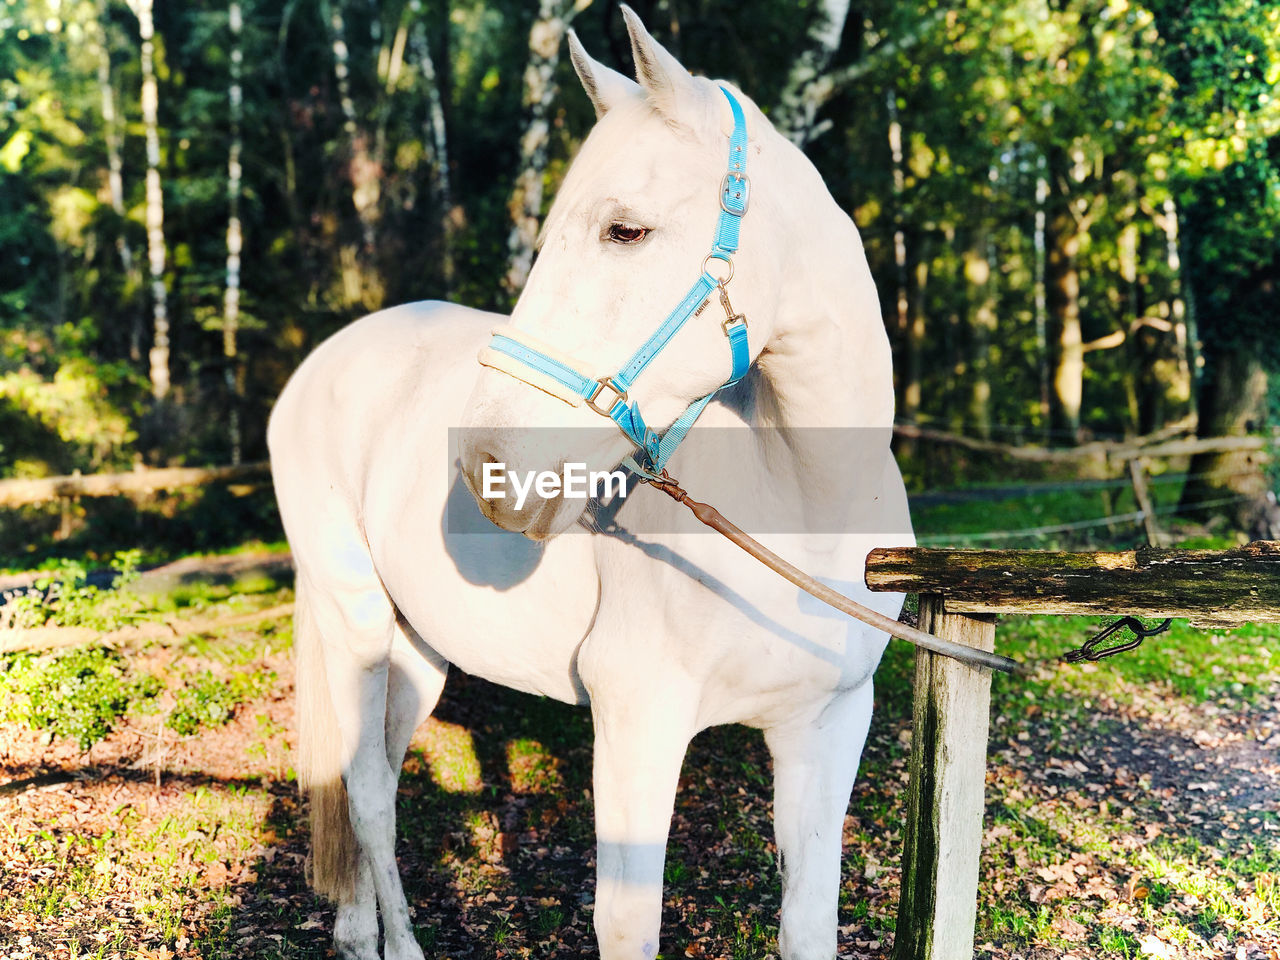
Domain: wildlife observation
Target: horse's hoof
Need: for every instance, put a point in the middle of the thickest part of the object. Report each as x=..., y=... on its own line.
x=356, y=947
x=404, y=948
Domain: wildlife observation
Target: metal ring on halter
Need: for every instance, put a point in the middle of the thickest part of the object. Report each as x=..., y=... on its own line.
x=724, y=259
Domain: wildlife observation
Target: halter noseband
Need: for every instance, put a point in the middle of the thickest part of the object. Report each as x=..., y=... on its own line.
x=538, y=364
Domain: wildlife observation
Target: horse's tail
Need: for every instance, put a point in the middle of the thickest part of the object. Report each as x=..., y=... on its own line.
x=334, y=852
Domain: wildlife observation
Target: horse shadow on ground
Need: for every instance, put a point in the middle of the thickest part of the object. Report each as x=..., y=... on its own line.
x=496, y=841
x=493, y=841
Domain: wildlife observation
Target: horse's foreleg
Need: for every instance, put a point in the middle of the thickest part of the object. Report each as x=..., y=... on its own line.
x=362, y=683
x=815, y=760
x=639, y=746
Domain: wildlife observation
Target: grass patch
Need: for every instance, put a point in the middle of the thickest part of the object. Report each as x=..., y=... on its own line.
x=206, y=700
x=1233, y=668
x=79, y=693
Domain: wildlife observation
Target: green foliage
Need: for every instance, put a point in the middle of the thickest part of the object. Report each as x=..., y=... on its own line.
x=63, y=597
x=78, y=693
x=1116, y=107
x=1226, y=60
x=206, y=700
x=73, y=409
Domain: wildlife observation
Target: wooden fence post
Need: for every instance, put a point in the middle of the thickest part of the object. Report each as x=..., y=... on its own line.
x=943, y=834
x=1142, y=496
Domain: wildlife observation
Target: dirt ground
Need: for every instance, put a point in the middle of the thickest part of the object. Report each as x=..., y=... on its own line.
x=1144, y=825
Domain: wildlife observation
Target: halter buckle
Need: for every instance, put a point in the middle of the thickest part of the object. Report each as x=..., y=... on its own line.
x=601, y=384
x=735, y=194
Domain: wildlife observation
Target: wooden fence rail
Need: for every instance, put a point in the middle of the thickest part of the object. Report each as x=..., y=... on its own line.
x=1156, y=446
x=21, y=493
x=960, y=590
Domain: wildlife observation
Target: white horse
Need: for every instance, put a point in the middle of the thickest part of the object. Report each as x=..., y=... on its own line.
x=661, y=629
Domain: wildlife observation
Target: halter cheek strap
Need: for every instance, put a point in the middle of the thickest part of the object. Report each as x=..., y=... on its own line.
x=540, y=365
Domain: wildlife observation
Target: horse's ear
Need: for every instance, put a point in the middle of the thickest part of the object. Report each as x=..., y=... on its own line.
x=668, y=85
x=606, y=87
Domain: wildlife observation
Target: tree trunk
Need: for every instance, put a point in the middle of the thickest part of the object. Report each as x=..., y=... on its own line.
x=554, y=17
x=1233, y=401
x=437, y=143
x=980, y=274
x=899, y=188
x=827, y=85
x=115, y=185
x=1062, y=296
x=159, y=356
x=1041, y=299
x=798, y=106
x=360, y=283
x=1182, y=310
x=913, y=390
x=235, y=239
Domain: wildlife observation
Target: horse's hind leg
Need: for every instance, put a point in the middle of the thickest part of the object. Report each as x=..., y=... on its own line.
x=367, y=675
x=415, y=681
x=815, y=760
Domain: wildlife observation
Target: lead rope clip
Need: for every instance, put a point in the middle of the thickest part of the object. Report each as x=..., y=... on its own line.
x=1093, y=651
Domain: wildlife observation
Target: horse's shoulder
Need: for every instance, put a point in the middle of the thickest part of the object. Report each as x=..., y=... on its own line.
x=365, y=369
x=399, y=338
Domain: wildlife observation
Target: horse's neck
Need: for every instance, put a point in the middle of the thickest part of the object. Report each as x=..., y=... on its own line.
x=824, y=392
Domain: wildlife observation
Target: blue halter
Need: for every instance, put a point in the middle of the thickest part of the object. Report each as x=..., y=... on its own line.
x=607, y=396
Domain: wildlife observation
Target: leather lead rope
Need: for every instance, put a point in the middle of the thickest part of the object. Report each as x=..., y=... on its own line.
x=971, y=656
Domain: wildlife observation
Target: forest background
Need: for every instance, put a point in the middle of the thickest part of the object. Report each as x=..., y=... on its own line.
x=1071, y=207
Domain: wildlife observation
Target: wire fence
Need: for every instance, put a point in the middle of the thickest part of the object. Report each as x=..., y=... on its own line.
x=1111, y=520
x=18, y=492
x=1014, y=491
x=1137, y=453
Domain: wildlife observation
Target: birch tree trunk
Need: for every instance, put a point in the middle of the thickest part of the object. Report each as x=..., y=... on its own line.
x=437, y=142
x=159, y=356
x=545, y=40
x=235, y=240
x=390, y=63
x=913, y=391
x=798, y=106
x=115, y=186
x=1041, y=301
x=1181, y=307
x=359, y=285
x=979, y=271
x=827, y=84
x=899, y=189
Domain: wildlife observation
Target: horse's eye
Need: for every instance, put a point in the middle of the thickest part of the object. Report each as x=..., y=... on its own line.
x=625, y=233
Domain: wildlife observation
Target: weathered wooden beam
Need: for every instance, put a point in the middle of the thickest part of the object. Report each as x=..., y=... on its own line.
x=20, y=493
x=943, y=835
x=1211, y=587
x=1095, y=450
